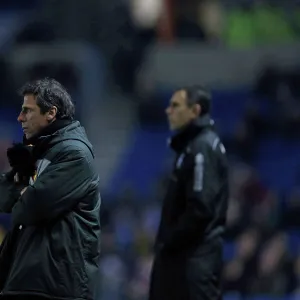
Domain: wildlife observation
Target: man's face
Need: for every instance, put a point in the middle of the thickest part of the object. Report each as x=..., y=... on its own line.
x=179, y=113
x=31, y=118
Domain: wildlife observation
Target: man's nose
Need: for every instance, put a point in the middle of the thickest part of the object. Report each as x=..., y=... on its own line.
x=20, y=118
x=168, y=110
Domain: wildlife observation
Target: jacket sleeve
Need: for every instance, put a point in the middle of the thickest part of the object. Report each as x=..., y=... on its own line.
x=201, y=188
x=56, y=191
x=9, y=194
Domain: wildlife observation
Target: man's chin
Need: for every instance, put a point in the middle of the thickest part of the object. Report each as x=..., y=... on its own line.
x=28, y=136
x=173, y=127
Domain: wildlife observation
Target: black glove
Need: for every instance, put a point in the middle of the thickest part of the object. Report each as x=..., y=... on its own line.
x=21, y=160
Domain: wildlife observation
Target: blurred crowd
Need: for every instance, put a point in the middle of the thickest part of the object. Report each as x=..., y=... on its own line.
x=264, y=259
x=232, y=24
x=123, y=30
x=273, y=110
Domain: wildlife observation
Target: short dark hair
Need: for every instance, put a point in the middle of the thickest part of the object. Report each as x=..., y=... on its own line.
x=49, y=93
x=197, y=94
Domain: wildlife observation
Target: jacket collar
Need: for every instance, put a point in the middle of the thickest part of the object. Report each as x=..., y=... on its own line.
x=40, y=142
x=182, y=137
x=47, y=131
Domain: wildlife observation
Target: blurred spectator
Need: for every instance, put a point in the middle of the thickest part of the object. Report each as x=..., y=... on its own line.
x=238, y=271
x=146, y=13
x=240, y=144
x=187, y=25
x=279, y=104
x=253, y=23
x=211, y=16
x=274, y=269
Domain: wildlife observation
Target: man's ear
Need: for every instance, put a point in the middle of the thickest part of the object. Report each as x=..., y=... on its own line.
x=197, y=109
x=51, y=114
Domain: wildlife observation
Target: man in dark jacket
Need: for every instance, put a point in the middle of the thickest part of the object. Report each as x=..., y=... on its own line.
x=188, y=258
x=52, y=194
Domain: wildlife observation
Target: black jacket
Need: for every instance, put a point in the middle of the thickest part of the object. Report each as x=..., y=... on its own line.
x=54, y=244
x=189, y=243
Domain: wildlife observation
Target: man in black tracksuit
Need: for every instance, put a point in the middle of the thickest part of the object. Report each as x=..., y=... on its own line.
x=188, y=258
x=52, y=194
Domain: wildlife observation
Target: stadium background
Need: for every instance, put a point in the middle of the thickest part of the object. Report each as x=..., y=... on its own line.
x=120, y=60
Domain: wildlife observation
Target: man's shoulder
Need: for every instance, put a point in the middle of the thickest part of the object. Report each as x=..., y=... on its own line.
x=70, y=147
x=75, y=145
x=206, y=141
